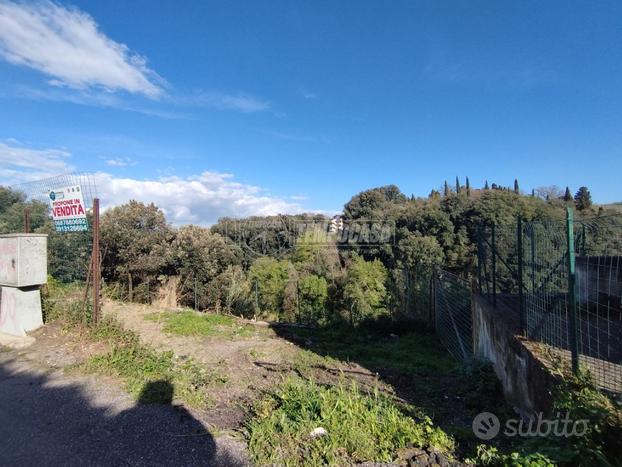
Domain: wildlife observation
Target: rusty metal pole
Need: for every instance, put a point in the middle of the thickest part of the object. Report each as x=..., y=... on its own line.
x=96, y=261
x=26, y=220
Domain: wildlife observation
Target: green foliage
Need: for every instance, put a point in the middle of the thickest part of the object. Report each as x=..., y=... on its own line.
x=65, y=303
x=199, y=256
x=313, y=293
x=135, y=242
x=191, y=323
x=146, y=372
x=365, y=289
x=359, y=427
x=583, y=199
x=270, y=277
x=232, y=290
x=490, y=456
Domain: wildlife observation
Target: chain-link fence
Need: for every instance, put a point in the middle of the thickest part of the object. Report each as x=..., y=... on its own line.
x=452, y=308
x=564, y=279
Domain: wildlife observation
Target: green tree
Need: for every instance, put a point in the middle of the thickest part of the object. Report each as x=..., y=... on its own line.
x=364, y=289
x=270, y=276
x=198, y=256
x=313, y=293
x=583, y=199
x=232, y=289
x=135, y=242
x=486, y=187
x=516, y=190
x=457, y=186
x=567, y=195
x=468, y=188
x=445, y=189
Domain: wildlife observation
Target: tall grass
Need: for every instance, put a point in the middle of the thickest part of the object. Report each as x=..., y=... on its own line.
x=359, y=427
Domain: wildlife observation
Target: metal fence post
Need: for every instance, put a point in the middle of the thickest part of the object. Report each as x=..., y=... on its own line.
x=519, y=252
x=494, y=266
x=572, y=292
x=96, y=261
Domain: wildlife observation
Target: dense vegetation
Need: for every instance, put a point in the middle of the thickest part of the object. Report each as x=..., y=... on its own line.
x=267, y=267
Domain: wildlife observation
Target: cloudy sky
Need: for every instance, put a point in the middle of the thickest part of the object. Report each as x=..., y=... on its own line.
x=213, y=108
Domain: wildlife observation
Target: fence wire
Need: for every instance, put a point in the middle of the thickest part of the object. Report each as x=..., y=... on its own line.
x=452, y=300
x=530, y=275
x=40, y=189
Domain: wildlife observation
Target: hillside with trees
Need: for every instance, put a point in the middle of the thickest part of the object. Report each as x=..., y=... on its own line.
x=266, y=268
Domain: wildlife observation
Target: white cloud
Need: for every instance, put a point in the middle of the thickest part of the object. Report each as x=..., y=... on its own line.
x=199, y=199
x=87, y=97
x=120, y=162
x=67, y=45
x=19, y=164
x=238, y=102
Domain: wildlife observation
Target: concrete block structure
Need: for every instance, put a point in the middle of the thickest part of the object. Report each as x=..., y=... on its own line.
x=23, y=269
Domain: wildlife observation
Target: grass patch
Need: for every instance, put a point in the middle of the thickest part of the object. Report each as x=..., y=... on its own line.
x=190, y=323
x=412, y=354
x=359, y=427
x=150, y=376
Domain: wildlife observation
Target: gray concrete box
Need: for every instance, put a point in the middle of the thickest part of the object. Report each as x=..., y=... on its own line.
x=23, y=260
x=20, y=310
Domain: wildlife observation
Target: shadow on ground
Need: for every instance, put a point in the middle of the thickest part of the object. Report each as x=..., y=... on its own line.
x=46, y=419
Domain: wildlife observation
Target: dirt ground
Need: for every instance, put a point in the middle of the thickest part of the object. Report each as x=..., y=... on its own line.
x=52, y=415
x=251, y=363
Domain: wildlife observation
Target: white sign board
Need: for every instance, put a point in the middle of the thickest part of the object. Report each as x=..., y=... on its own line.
x=68, y=209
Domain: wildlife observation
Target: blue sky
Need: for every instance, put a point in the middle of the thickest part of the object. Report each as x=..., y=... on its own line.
x=216, y=108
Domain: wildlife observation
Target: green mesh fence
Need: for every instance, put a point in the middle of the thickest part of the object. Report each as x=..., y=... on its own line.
x=575, y=309
x=452, y=305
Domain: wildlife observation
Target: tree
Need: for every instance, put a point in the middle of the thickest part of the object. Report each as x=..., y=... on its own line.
x=583, y=199
x=457, y=186
x=135, y=241
x=364, y=289
x=198, y=256
x=313, y=293
x=446, y=189
x=486, y=187
x=270, y=277
x=232, y=289
x=419, y=253
x=567, y=195
x=468, y=188
x=516, y=190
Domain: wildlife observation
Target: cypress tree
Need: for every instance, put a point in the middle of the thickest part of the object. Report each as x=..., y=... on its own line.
x=567, y=195
x=486, y=187
x=446, y=190
x=516, y=186
x=457, y=185
x=468, y=188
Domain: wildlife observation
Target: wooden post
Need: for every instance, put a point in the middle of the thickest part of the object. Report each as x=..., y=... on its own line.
x=96, y=261
x=26, y=220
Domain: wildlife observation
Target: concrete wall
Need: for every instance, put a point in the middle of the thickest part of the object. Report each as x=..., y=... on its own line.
x=526, y=383
x=23, y=260
x=23, y=268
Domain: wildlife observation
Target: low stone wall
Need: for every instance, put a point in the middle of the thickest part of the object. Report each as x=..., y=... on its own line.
x=526, y=382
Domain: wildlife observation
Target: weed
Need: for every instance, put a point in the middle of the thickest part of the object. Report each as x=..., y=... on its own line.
x=190, y=323
x=358, y=427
